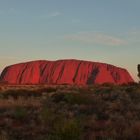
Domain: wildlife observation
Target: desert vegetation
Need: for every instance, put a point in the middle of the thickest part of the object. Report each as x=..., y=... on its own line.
x=41, y=112
x=138, y=70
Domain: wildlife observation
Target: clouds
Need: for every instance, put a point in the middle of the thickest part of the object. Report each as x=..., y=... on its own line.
x=9, y=11
x=96, y=38
x=51, y=15
x=54, y=14
x=134, y=36
x=75, y=21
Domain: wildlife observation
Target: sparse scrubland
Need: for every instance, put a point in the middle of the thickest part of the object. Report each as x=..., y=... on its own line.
x=99, y=112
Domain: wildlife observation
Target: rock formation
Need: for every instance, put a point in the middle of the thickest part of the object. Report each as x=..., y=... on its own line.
x=64, y=72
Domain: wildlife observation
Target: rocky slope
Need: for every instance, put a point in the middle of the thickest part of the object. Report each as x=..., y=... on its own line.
x=64, y=72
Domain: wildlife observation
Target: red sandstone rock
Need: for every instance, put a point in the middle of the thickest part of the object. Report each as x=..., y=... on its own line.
x=64, y=72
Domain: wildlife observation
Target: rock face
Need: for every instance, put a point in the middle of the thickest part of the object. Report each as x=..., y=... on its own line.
x=64, y=72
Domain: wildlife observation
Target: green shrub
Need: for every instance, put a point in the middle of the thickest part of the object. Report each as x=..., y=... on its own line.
x=20, y=113
x=47, y=90
x=20, y=92
x=67, y=130
x=47, y=116
x=71, y=98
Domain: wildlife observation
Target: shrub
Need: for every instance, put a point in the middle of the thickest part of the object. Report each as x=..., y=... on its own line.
x=20, y=92
x=71, y=98
x=138, y=70
x=47, y=89
x=68, y=130
x=20, y=113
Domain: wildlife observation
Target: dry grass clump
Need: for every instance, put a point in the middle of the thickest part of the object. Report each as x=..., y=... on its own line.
x=11, y=102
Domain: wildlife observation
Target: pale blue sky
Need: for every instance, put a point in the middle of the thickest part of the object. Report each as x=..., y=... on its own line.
x=98, y=30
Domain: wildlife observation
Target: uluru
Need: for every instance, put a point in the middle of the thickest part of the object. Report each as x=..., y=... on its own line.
x=70, y=71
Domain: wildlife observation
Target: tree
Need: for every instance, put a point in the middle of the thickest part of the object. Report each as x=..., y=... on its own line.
x=139, y=71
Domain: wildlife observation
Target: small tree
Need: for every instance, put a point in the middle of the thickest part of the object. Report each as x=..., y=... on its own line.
x=139, y=71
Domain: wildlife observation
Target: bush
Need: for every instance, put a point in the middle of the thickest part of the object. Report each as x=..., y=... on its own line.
x=71, y=113
x=68, y=130
x=72, y=98
x=20, y=113
x=20, y=92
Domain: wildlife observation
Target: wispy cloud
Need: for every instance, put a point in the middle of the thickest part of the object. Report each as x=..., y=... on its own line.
x=1, y=12
x=96, y=38
x=54, y=14
x=133, y=36
x=9, y=11
x=12, y=10
x=51, y=15
x=75, y=21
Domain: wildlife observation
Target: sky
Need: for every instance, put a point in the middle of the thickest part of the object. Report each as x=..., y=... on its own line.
x=97, y=30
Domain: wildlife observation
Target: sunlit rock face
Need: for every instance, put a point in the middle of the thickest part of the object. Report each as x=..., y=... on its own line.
x=71, y=72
